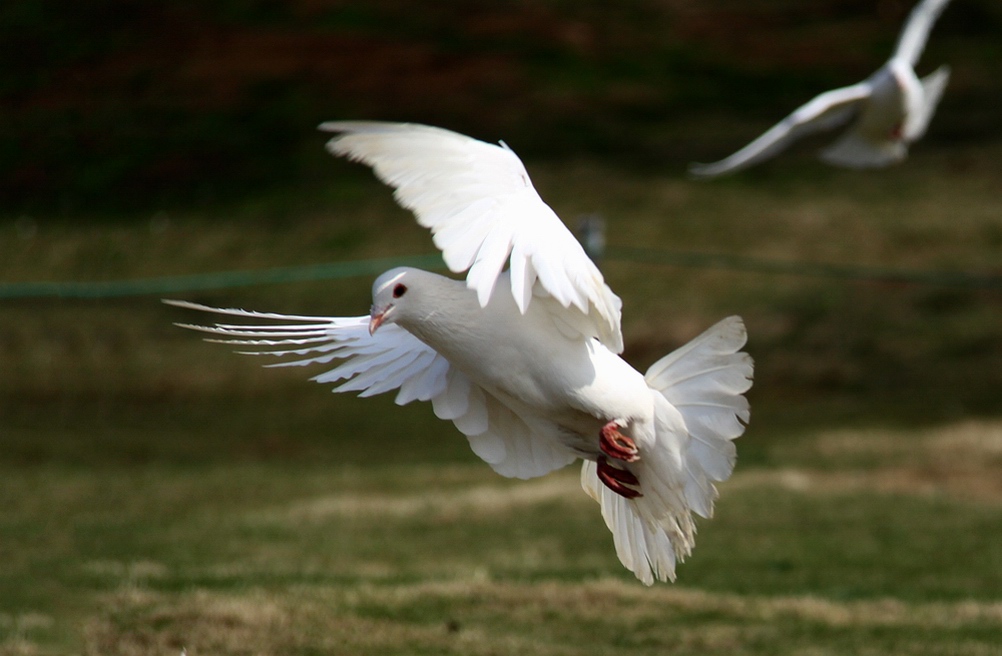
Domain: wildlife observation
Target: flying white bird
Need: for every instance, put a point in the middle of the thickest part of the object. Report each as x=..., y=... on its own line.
x=886, y=112
x=524, y=359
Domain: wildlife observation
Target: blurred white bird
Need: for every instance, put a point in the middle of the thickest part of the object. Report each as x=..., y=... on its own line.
x=524, y=360
x=886, y=112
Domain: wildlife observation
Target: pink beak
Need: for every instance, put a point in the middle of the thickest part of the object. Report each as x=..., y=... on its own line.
x=376, y=320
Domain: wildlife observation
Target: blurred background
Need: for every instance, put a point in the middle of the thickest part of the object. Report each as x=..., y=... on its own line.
x=159, y=493
x=113, y=104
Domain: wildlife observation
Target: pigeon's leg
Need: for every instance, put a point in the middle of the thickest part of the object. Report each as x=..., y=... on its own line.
x=616, y=445
x=617, y=479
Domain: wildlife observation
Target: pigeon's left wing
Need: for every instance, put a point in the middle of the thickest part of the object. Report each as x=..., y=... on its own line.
x=913, y=37
x=390, y=359
x=393, y=359
x=484, y=213
x=516, y=445
x=826, y=111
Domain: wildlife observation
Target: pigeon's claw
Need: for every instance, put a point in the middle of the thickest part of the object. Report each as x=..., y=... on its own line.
x=618, y=480
x=616, y=445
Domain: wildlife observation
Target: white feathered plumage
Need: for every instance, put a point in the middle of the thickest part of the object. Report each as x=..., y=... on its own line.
x=524, y=360
x=886, y=112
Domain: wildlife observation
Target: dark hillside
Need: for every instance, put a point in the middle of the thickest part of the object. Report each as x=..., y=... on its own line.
x=125, y=104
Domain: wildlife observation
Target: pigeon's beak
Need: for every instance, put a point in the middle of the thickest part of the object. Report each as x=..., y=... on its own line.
x=376, y=318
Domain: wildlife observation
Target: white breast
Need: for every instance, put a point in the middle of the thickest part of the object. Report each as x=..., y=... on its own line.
x=885, y=111
x=529, y=364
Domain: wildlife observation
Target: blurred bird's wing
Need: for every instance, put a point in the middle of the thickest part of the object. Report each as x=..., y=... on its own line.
x=915, y=33
x=824, y=112
x=932, y=90
x=393, y=359
x=483, y=212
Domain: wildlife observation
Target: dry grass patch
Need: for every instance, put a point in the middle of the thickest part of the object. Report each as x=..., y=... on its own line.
x=18, y=630
x=960, y=461
x=483, y=618
x=615, y=600
x=435, y=502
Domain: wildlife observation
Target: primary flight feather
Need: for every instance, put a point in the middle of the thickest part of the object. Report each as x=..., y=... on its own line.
x=885, y=113
x=523, y=355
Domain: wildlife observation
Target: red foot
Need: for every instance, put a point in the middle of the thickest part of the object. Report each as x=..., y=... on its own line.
x=617, y=479
x=616, y=445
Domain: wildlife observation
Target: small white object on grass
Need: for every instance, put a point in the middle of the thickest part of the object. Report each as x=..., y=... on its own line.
x=885, y=113
x=524, y=359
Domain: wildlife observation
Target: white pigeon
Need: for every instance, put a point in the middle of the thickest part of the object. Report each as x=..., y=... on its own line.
x=886, y=112
x=524, y=360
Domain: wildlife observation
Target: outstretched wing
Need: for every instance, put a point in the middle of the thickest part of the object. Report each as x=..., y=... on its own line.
x=915, y=33
x=483, y=212
x=932, y=90
x=369, y=364
x=824, y=112
x=393, y=359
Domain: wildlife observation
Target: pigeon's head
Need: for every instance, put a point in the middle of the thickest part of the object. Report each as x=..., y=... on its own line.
x=391, y=295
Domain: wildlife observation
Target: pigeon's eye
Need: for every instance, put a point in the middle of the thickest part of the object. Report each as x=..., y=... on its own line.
x=399, y=290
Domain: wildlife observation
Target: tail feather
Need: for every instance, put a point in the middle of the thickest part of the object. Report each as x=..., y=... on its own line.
x=699, y=409
x=706, y=384
x=855, y=151
x=644, y=545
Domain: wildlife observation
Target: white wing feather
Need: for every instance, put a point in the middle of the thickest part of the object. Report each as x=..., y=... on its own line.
x=825, y=111
x=933, y=86
x=516, y=446
x=371, y=364
x=915, y=33
x=484, y=213
x=390, y=359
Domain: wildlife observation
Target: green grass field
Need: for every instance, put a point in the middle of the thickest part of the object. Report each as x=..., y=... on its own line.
x=158, y=493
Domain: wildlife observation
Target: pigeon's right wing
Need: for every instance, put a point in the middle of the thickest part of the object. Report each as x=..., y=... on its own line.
x=826, y=111
x=913, y=37
x=393, y=359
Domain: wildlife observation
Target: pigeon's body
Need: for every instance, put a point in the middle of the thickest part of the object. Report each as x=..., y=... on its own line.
x=876, y=137
x=882, y=115
x=572, y=385
x=524, y=361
